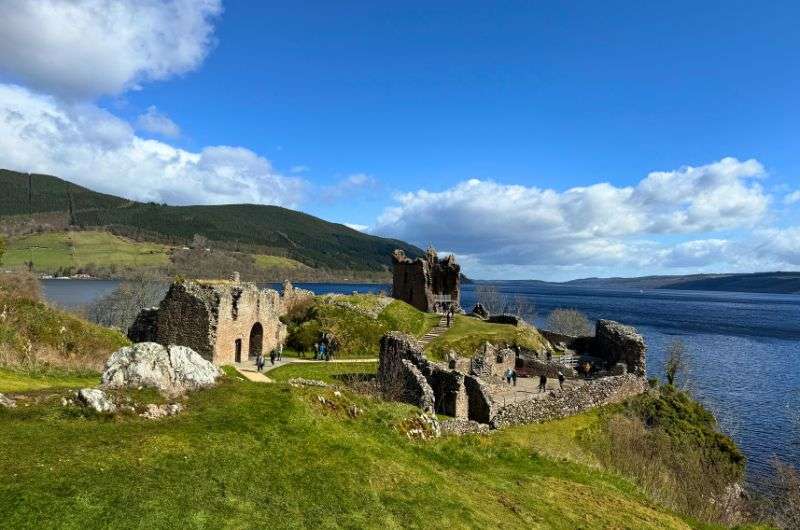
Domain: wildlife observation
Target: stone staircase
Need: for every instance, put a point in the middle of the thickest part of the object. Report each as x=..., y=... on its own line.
x=435, y=332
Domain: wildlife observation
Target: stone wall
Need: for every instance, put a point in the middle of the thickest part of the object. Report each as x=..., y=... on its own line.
x=491, y=363
x=144, y=326
x=481, y=407
x=418, y=281
x=449, y=392
x=617, y=343
x=603, y=391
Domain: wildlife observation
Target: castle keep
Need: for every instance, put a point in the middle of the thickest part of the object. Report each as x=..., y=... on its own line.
x=224, y=321
x=430, y=284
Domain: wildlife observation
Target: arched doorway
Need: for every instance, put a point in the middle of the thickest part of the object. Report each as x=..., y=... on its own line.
x=256, y=339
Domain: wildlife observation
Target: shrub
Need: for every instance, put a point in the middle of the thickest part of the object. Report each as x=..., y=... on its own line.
x=569, y=322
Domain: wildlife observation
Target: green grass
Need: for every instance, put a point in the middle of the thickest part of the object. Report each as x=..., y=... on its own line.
x=12, y=381
x=56, y=250
x=328, y=372
x=249, y=455
x=467, y=334
x=278, y=262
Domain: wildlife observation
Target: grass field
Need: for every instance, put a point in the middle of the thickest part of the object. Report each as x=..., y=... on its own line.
x=278, y=262
x=249, y=455
x=55, y=250
x=328, y=372
x=22, y=381
x=468, y=333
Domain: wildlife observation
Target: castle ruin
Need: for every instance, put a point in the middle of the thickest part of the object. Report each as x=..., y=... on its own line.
x=224, y=321
x=428, y=283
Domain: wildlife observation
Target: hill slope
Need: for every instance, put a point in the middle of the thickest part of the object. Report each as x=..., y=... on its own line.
x=757, y=282
x=258, y=229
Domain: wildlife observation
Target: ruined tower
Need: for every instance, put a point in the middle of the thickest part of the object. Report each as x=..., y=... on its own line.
x=428, y=283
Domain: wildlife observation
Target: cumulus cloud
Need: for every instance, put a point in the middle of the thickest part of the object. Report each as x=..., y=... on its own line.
x=86, y=48
x=792, y=198
x=156, y=122
x=598, y=225
x=90, y=146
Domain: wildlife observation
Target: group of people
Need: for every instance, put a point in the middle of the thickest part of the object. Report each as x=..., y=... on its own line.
x=511, y=376
x=543, y=381
x=275, y=355
x=322, y=351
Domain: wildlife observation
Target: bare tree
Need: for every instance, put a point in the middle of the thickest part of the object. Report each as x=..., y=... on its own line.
x=569, y=322
x=199, y=242
x=675, y=362
x=120, y=307
x=523, y=307
x=492, y=300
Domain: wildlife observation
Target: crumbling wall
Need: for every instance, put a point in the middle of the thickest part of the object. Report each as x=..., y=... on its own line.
x=617, y=343
x=449, y=392
x=416, y=389
x=602, y=391
x=187, y=317
x=419, y=281
x=480, y=404
x=144, y=327
x=491, y=363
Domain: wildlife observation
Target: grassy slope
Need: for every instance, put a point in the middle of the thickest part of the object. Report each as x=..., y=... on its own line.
x=467, y=334
x=328, y=372
x=255, y=455
x=302, y=237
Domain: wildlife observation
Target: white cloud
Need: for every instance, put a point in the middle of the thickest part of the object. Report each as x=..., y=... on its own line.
x=792, y=198
x=156, y=122
x=349, y=186
x=86, y=48
x=594, y=226
x=90, y=146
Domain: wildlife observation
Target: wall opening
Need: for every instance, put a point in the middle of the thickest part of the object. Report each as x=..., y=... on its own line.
x=256, y=339
x=238, y=354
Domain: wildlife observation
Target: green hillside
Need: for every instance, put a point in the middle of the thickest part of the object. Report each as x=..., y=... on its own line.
x=257, y=229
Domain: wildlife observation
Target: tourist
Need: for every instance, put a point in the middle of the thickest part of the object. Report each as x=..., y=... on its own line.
x=280, y=352
x=542, y=383
x=260, y=361
x=509, y=375
x=316, y=351
x=514, y=377
x=449, y=316
x=549, y=355
x=272, y=357
x=561, y=379
x=322, y=351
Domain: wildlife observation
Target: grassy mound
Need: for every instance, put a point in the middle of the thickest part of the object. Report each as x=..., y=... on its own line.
x=468, y=334
x=356, y=321
x=35, y=336
x=328, y=372
x=254, y=455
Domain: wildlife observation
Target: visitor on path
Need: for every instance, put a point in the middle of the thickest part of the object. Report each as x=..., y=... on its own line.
x=280, y=352
x=561, y=379
x=260, y=362
x=322, y=351
x=514, y=377
x=449, y=316
x=542, y=383
x=316, y=351
x=272, y=357
x=509, y=375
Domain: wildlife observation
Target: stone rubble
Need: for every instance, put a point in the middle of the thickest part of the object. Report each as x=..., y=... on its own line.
x=7, y=402
x=299, y=381
x=460, y=427
x=95, y=399
x=155, y=412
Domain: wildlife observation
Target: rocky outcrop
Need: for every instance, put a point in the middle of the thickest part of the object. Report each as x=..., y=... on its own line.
x=95, y=399
x=171, y=370
x=603, y=391
x=617, y=343
x=479, y=311
x=7, y=402
x=511, y=320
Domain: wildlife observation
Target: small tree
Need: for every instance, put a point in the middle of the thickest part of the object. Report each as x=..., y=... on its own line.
x=199, y=242
x=491, y=299
x=569, y=322
x=675, y=363
x=523, y=307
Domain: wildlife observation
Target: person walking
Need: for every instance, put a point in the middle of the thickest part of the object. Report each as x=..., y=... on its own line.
x=272, y=357
x=542, y=383
x=514, y=376
x=509, y=375
x=561, y=379
x=322, y=351
x=280, y=351
x=260, y=361
x=449, y=316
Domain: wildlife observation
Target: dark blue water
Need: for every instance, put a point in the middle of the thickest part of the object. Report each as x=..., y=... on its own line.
x=744, y=348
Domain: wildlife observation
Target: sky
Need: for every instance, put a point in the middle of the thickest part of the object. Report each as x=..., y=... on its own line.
x=534, y=140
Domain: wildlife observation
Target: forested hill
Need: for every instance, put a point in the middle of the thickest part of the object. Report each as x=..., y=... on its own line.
x=757, y=282
x=248, y=227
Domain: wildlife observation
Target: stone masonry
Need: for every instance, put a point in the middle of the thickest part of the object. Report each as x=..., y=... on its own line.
x=223, y=321
x=430, y=284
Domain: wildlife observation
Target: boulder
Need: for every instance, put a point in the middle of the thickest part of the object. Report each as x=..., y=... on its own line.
x=171, y=370
x=480, y=311
x=95, y=399
x=7, y=402
x=512, y=320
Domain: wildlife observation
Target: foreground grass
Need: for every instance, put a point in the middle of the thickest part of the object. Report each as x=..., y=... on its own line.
x=328, y=372
x=468, y=334
x=25, y=381
x=248, y=455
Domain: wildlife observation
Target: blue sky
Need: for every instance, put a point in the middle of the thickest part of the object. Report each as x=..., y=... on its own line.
x=485, y=128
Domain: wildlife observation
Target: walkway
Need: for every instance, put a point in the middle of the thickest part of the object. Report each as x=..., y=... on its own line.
x=249, y=371
x=435, y=332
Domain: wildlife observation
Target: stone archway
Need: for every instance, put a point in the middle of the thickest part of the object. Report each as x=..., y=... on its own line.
x=256, y=340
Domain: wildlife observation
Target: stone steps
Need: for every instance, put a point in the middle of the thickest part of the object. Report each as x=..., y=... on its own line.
x=435, y=333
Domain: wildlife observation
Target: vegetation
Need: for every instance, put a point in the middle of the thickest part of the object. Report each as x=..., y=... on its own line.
x=675, y=363
x=120, y=307
x=247, y=454
x=2, y=249
x=499, y=303
x=355, y=323
x=14, y=380
x=467, y=334
x=36, y=337
x=246, y=228
x=328, y=372
x=569, y=322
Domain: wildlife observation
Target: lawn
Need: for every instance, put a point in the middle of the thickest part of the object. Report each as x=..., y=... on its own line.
x=468, y=333
x=12, y=381
x=328, y=372
x=54, y=250
x=249, y=455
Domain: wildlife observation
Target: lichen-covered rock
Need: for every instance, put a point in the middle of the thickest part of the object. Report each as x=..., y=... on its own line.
x=95, y=399
x=155, y=412
x=172, y=370
x=7, y=402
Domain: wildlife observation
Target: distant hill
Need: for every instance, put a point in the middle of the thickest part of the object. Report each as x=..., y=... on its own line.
x=757, y=282
x=257, y=229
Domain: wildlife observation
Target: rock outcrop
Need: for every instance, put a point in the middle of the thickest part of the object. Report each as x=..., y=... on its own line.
x=171, y=370
x=95, y=399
